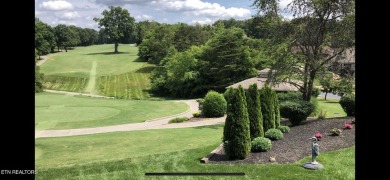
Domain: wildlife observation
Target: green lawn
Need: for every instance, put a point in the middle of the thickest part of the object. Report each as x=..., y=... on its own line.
x=128, y=155
x=58, y=111
x=332, y=107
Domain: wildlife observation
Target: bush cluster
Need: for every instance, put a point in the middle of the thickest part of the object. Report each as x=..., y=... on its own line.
x=261, y=144
x=284, y=129
x=274, y=134
x=296, y=111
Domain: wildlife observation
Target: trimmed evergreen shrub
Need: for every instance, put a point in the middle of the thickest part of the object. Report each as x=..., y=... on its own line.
x=273, y=134
x=236, y=132
x=214, y=105
x=254, y=112
x=284, y=129
x=276, y=108
x=289, y=96
x=261, y=144
x=296, y=111
x=347, y=102
x=267, y=108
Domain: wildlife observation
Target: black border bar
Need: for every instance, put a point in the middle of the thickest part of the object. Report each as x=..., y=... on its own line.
x=194, y=174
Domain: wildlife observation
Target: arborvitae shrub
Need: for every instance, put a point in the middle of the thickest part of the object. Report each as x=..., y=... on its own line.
x=267, y=108
x=254, y=112
x=236, y=134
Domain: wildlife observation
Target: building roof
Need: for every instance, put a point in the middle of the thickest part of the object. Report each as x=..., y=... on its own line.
x=261, y=82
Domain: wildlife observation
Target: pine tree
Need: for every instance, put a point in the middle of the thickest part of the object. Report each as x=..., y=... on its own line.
x=236, y=135
x=267, y=108
x=276, y=109
x=254, y=112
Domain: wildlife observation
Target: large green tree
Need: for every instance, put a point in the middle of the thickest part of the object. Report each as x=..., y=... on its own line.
x=328, y=83
x=117, y=23
x=226, y=59
x=320, y=31
x=142, y=28
x=38, y=75
x=254, y=112
x=236, y=134
x=66, y=36
x=44, y=38
x=156, y=43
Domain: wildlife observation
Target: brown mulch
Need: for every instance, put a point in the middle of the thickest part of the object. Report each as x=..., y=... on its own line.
x=296, y=144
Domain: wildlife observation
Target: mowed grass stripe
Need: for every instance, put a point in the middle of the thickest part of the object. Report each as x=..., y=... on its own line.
x=75, y=84
x=125, y=86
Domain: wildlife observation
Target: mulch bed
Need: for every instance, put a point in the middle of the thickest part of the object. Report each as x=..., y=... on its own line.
x=296, y=144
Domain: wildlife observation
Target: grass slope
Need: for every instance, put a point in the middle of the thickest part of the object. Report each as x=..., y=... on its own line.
x=95, y=69
x=78, y=62
x=128, y=155
x=132, y=85
x=58, y=111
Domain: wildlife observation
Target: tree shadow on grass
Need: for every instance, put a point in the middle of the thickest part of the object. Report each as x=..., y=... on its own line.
x=217, y=126
x=107, y=53
x=146, y=69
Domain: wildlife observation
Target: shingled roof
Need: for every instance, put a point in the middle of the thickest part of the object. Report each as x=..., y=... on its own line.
x=261, y=82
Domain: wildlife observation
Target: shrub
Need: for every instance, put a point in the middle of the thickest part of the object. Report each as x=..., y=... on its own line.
x=261, y=144
x=274, y=134
x=267, y=108
x=347, y=126
x=318, y=135
x=178, y=120
x=254, y=112
x=236, y=132
x=289, y=96
x=335, y=132
x=196, y=114
x=315, y=92
x=347, y=102
x=321, y=114
x=296, y=111
x=214, y=105
x=284, y=129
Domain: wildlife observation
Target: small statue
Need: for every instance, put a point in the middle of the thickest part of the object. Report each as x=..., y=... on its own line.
x=315, y=149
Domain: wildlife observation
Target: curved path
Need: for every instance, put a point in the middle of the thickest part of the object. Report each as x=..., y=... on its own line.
x=159, y=123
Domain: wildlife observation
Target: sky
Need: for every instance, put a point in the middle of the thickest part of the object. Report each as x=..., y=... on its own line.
x=81, y=12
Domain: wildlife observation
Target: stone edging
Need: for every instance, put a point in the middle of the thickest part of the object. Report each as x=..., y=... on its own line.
x=211, y=154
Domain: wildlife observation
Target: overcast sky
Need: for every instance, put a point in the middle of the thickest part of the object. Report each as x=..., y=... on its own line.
x=81, y=12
